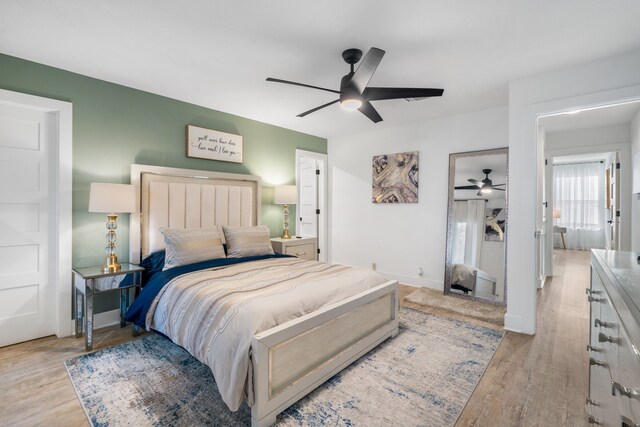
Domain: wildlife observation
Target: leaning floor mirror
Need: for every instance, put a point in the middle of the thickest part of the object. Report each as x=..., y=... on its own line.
x=477, y=225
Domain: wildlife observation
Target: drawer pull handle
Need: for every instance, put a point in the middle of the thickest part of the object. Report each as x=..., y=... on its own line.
x=594, y=420
x=596, y=362
x=631, y=393
x=592, y=292
x=626, y=422
x=599, y=323
x=594, y=299
x=592, y=348
x=605, y=338
x=300, y=254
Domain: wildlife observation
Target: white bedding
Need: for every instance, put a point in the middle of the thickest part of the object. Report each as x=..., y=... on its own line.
x=215, y=313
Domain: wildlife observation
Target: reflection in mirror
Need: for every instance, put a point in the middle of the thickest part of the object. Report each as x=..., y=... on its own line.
x=477, y=225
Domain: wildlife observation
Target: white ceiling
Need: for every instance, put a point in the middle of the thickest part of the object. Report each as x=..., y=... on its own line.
x=218, y=53
x=606, y=116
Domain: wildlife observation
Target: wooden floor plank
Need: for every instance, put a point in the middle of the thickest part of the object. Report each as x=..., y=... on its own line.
x=536, y=380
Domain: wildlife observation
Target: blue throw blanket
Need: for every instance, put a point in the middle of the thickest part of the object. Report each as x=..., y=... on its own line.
x=137, y=312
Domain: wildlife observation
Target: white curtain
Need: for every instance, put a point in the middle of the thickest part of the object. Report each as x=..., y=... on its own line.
x=475, y=232
x=468, y=232
x=459, y=231
x=578, y=193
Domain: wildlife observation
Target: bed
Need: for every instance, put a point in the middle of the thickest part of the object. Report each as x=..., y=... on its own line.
x=467, y=279
x=333, y=316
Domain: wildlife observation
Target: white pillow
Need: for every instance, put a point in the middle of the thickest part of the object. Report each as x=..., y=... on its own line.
x=191, y=245
x=247, y=241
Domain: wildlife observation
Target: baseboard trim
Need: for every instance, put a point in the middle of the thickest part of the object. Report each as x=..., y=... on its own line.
x=514, y=324
x=417, y=282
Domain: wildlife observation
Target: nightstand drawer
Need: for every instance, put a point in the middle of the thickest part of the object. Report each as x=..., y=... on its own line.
x=301, y=251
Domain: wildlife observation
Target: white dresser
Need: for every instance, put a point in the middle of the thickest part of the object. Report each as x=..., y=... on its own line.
x=614, y=341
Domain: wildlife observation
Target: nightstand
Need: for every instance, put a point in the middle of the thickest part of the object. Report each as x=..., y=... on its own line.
x=90, y=281
x=304, y=247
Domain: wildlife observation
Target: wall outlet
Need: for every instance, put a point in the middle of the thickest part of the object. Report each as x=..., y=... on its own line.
x=420, y=271
x=374, y=266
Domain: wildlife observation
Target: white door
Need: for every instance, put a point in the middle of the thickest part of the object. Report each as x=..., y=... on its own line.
x=312, y=208
x=307, y=198
x=26, y=292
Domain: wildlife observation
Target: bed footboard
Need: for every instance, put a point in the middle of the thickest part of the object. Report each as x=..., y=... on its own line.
x=292, y=359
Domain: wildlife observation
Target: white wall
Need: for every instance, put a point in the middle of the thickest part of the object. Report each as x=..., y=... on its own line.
x=400, y=238
x=596, y=83
x=634, y=131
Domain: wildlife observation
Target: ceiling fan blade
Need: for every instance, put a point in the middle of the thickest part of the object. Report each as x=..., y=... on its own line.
x=380, y=93
x=367, y=67
x=368, y=110
x=317, y=108
x=477, y=183
x=479, y=193
x=466, y=187
x=287, y=82
x=499, y=189
x=496, y=185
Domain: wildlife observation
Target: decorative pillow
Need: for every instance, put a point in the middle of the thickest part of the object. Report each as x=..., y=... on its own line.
x=190, y=245
x=247, y=241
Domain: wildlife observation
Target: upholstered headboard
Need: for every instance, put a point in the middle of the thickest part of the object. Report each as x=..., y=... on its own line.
x=185, y=198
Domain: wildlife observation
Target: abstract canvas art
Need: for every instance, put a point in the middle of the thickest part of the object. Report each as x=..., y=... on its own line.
x=395, y=178
x=494, y=225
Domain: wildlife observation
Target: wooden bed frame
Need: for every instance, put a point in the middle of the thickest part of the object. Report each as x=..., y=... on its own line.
x=292, y=359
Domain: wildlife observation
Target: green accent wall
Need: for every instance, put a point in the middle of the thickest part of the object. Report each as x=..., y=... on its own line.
x=115, y=126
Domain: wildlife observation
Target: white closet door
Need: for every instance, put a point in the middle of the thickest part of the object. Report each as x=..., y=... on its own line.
x=308, y=198
x=26, y=292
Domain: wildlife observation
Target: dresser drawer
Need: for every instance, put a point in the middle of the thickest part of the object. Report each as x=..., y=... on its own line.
x=628, y=375
x=304, y=251
x=608, y=326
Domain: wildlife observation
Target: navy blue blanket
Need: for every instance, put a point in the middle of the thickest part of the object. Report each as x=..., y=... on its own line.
x=137, y=312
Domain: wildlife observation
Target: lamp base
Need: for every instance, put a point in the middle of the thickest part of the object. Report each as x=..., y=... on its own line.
x=285, y=234
x=111, y=265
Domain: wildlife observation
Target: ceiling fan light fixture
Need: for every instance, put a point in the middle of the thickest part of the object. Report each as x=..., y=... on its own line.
x=486, y=190
x=351, y=104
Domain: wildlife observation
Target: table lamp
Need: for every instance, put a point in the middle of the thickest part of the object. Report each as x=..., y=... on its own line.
x=285, y=195
x=556, y=215
x=111, y=199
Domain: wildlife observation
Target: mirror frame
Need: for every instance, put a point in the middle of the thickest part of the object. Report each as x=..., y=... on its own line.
x=449, y=252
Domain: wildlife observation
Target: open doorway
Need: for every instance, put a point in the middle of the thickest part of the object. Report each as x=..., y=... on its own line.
x=588, y=179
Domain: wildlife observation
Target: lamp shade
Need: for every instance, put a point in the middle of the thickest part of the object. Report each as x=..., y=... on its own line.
x=285, y=195
x=112, y=198
x=556, y=214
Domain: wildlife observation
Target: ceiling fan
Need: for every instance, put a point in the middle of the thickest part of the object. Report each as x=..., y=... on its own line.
x=354, y=93
x=485, y=186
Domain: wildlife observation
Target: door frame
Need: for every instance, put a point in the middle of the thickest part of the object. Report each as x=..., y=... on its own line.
x=323, y=227
x=61, y=199
x=524, y=157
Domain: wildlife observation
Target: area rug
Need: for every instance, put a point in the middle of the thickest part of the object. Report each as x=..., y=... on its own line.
x=422, y=377
x=491, y=313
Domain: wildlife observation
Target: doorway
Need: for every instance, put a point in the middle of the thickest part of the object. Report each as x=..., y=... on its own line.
x=311, y=182
x=588, y=178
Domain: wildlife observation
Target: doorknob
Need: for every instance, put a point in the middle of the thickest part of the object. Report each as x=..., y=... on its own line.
x=610, y=221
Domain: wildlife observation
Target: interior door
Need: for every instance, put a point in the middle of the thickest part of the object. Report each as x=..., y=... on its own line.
x=614, y=212
x=308, y=197
x=26, y=293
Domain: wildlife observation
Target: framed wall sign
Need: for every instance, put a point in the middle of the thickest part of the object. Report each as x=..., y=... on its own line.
x=211, y=144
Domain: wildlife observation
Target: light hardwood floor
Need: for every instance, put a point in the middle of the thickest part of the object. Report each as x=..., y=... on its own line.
x=531, y=381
